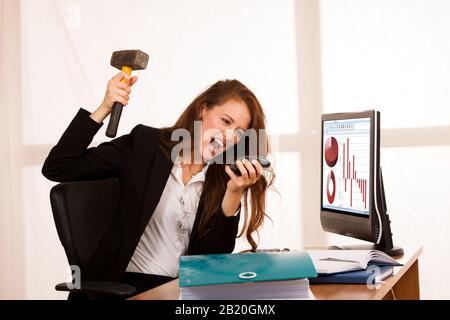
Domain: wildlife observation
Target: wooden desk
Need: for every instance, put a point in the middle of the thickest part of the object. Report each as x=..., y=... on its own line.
x=404, y=283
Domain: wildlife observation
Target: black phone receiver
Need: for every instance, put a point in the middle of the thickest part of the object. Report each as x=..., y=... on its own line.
x=240, y=151
x=263, y=161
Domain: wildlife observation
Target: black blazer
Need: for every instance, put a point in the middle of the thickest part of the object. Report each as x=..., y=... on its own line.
x=143, y=169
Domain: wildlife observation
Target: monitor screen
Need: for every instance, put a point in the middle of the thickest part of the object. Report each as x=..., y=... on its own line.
x=346, y=166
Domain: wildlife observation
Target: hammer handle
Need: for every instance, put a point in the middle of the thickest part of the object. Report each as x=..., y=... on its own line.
x=117, y=108
x=111, y=131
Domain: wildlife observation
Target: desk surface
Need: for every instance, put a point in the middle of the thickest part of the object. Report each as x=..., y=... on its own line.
x=404, y=283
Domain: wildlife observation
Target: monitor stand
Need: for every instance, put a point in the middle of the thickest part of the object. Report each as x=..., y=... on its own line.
x=386, y=245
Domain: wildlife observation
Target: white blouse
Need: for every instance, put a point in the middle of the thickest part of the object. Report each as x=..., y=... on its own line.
x=166, y=236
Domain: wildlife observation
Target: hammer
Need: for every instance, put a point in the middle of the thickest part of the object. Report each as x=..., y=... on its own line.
x=127, y=61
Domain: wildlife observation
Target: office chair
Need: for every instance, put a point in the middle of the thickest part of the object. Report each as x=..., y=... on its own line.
x=73, y=205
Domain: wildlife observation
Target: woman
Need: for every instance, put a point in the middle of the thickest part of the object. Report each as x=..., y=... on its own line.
x=167, y=207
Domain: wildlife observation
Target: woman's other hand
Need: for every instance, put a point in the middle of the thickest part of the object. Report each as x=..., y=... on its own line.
x=251, y=172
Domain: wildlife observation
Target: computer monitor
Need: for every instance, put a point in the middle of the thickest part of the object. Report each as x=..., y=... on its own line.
x=352, y=194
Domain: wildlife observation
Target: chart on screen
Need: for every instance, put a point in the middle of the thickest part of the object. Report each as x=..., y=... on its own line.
x=346, y=165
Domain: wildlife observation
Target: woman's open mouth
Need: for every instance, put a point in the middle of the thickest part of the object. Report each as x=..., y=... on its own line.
x=216, y=145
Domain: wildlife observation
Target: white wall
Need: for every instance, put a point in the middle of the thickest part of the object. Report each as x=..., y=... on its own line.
x=393, y=56
x=65, y=51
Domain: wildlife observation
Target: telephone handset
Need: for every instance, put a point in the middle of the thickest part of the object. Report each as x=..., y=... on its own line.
x=263, y=161
x=242, y=150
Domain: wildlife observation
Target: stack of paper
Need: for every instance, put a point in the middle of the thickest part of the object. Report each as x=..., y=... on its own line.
x=286, y=289
x=281, y=275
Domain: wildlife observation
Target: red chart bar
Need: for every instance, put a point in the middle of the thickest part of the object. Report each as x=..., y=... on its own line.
x=351, y=193
x=348, y=170
x=343, y=163
x=362, y=190
x=354, y=171
x=348, y=158
x=364, y=193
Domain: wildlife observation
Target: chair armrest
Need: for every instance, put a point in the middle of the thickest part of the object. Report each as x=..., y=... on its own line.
x=99, y=287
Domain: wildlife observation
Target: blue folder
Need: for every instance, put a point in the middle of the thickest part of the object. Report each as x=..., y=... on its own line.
x=202, y=270
x=354, y=277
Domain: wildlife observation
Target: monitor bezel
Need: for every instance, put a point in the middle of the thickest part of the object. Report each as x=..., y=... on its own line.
x=349, y=116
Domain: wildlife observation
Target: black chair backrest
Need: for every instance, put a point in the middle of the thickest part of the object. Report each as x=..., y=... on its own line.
x=83, y=213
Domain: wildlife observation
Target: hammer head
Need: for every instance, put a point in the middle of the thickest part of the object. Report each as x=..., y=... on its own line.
x=135, y=59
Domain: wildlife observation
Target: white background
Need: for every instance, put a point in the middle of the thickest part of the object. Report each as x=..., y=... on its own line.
x=300, y=58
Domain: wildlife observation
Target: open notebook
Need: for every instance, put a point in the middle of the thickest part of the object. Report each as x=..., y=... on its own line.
x=336, y=261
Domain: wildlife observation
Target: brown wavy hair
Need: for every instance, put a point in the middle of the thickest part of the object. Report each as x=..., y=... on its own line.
x=216, y=178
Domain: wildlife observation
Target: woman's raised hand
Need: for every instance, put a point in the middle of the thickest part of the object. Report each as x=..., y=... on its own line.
x=116, y=91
